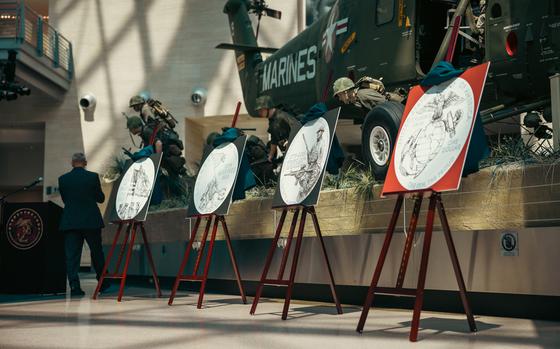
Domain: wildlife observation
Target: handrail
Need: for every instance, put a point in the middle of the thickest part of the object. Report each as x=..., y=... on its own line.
x=21, y=23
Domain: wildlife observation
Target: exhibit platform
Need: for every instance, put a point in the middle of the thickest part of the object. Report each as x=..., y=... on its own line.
x=492, y=206
x=142, y=321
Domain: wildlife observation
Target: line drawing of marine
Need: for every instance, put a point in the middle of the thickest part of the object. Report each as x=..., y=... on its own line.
x=213, y=193
x=421, y=148
x=140, y=186
x=123, y=209
x=306, y=175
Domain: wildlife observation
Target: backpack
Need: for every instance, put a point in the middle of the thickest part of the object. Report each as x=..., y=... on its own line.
x=369, y=82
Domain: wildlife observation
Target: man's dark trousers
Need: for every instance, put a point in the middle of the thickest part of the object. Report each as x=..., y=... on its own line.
x=74, y=240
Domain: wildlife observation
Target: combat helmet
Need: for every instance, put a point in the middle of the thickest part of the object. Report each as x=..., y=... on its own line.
x=264, y=102
x=135, y=100
x=341, y=85
x=134, y=122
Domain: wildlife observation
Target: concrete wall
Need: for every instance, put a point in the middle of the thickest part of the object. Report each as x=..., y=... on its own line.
x=123, y=47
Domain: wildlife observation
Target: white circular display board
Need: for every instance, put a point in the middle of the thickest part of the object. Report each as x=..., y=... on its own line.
x=304, y=161
x=434, y=133
x=135, y=189
x=215, y=178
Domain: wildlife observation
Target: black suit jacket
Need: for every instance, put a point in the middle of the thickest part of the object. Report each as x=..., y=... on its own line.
x=81, y=191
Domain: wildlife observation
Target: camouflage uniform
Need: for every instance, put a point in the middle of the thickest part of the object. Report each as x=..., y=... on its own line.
x=368, y=98
x=172, y=146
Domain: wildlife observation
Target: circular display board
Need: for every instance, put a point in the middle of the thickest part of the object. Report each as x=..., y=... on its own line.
x=304, y=161
x=135, y=189
x=434, y=134
x=216, y=178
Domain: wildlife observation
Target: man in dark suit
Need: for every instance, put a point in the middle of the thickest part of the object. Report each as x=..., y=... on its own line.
x=81, y=191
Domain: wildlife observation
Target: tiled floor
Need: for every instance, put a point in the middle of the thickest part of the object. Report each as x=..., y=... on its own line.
x=141, y=321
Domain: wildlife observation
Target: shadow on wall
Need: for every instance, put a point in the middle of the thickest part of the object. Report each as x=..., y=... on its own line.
x=164, y=79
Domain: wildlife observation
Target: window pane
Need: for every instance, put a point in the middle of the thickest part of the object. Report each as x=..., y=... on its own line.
x=385, y=11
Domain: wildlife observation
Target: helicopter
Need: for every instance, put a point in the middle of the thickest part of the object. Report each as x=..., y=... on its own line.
x=400, y=41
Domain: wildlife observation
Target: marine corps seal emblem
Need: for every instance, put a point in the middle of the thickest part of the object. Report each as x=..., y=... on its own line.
x=24, y=229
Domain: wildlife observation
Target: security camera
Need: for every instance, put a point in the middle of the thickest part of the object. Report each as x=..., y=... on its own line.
x=198, y=96
x=87, y=101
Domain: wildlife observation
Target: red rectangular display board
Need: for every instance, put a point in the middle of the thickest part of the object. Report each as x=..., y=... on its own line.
x=435, y=133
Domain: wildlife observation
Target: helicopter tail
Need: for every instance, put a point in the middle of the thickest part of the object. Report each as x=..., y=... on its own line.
x=244, y=37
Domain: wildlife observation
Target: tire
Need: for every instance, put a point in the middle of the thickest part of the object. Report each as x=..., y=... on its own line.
x=380, y=127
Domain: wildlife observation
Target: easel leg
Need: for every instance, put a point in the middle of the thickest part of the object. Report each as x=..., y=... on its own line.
x=123, y=248
x=409, y=240
x=184, y=262
x=294, y=266
x=107, y=261
x=127, y=261
x=423, y=270
x=268, y=261
x=331, y=277
x=202, y=245
x=380, y=262
x=456, y=266
x=286, y=253
x=207, y=266
x=233, y=260
x=150, y=259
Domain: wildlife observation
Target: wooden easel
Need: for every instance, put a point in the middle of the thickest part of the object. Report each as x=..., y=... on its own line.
x=279, y=281
x=418, y=293
x=130, y=235
x=204, y=277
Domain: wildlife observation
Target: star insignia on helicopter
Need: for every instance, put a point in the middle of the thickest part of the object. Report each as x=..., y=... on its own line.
x=329, y=36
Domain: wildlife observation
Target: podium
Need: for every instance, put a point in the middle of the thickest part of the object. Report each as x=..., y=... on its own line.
x=32, y=249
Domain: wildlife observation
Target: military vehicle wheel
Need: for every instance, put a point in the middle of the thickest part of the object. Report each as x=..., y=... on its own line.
x=379, y=133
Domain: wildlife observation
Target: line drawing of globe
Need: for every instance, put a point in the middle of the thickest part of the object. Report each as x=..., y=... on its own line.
x=216, y=178
x=434, y=133
x=304, y=161
x=135, y=189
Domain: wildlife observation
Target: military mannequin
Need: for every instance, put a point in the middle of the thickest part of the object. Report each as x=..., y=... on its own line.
x=138, y=127
x=138, y=103
x=163, y=139
x=357, y=101
x=280, y=125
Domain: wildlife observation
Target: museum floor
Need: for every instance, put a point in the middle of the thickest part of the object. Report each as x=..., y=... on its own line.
x=141, y=321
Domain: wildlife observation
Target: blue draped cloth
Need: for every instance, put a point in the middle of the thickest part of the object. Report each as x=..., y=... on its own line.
x=478, y=148
x=245, y=177
x=336, y=156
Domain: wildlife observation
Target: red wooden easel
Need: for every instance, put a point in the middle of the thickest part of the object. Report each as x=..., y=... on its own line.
x=279, y=281
x=129, y=238
x=435, y=203
x=204, y=277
